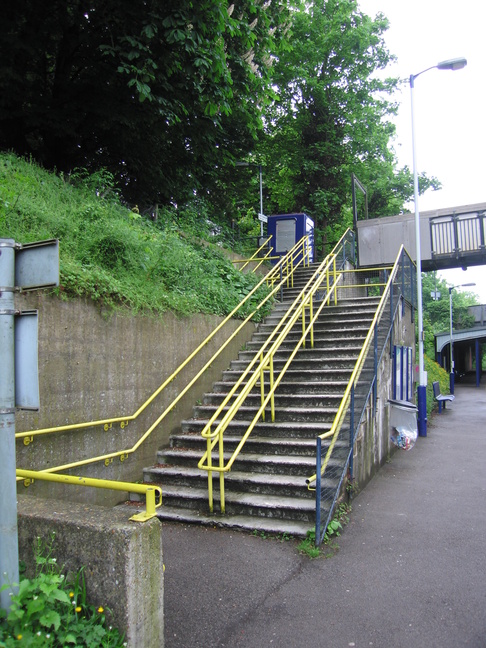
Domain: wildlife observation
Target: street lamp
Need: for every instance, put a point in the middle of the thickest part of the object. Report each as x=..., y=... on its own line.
x=451, y=64
x=261, y=216
x=451, y=342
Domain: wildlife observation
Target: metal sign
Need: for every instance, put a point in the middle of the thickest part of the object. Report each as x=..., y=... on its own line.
x=263, y=218
x=26, y=361
x=37, y=265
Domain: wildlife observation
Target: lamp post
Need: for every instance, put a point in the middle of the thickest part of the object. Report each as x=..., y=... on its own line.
x=451, y=64
x=451, y=341
x=259, y=167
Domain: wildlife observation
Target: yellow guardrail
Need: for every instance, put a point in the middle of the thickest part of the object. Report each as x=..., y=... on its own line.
x=326, y=274
x=343, y=407
x=284, y=270
x=149, y=490
x=255, y=257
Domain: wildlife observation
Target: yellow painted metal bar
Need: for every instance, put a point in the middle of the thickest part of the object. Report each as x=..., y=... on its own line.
x=131, y=417
x=250, y=383
x=255, y=256
x=123, y=454
x=221, y=474
x=262, y=361
x=254, y=377
x=149, y=490
x=243, y=440
x=340, y=414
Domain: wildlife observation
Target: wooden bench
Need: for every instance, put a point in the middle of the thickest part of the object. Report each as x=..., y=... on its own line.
x=439, y=397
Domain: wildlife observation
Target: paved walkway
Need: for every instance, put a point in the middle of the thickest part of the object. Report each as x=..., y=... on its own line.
x=410, y=571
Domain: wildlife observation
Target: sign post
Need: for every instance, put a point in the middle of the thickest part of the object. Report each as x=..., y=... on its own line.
x=22, y=267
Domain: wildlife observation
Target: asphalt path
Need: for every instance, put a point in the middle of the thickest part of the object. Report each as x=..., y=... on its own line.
x=409, y=570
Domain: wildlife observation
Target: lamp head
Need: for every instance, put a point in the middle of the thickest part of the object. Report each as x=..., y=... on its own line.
x=452, y=64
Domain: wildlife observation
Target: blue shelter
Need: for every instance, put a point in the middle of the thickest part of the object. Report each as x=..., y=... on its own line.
x=288, y=229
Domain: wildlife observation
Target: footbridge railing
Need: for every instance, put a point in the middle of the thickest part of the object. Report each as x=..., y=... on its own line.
x=334, y=449
x=325, y=279
x=280, y=275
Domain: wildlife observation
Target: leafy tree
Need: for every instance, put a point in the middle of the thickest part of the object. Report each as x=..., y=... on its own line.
x=156, y=92
x=332, y=117
x=436, y=310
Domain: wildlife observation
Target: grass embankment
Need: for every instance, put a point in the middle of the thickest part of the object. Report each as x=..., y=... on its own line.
x=435, y=372
x=112, y=254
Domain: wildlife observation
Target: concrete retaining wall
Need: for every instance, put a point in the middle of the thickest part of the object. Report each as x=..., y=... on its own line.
x=373, y=446
x=95, y=364
x=122, y=560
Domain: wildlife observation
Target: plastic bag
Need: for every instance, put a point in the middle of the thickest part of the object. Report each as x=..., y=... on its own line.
x=403, y=437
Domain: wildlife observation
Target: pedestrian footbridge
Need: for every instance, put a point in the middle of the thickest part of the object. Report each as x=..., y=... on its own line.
x=450, y=238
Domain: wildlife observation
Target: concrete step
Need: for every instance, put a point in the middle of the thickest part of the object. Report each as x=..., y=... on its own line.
x=315, y=352
x=294, y=414
x=297, y=465
x=302, y=429
x=303, y=399
x=301, y=375
x=249, y=523
x=272, y=445
x=332, y=390
x=247, y=482
x=303, y=363
x=301, y=509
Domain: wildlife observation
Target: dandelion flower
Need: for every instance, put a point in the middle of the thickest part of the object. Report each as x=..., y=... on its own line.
x=19, y=637
x=71, y=594
x=78, y=609
x=100, y=609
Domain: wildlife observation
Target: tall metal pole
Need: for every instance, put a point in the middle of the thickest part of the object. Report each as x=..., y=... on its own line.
x=422, y=386
x=450, y=64
x=451, y=345
x=9, y=549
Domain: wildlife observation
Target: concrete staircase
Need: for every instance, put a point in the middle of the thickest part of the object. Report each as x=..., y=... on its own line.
x=266, y=489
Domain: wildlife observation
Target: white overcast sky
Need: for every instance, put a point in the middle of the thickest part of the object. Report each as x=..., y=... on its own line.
x=450, y=107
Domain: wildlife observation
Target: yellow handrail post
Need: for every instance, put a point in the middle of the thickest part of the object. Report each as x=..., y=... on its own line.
x=311, y=316
x=272, y=402
x=334, y=278
x=210, y=474
x=150, y=502
x=221, y=473
x=262, y=383
x=303, y=318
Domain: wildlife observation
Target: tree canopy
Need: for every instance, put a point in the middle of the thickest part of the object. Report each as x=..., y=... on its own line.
x=167, y=96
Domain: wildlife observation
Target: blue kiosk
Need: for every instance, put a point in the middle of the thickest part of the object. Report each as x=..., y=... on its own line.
x=287, y=229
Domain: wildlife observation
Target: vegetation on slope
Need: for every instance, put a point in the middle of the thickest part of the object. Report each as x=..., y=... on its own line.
x=112, y=254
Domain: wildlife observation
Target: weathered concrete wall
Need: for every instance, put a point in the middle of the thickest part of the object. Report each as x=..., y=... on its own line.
x=122, y=560
x=96, y=364
x=373, y=446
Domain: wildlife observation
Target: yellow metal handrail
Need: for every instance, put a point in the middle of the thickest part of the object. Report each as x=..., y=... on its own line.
x=255, y=256
x=342, y=409
x=149, y=490
x=263, y=361
x=298, y=255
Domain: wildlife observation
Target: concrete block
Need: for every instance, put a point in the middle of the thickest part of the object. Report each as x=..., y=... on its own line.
x=123, y=560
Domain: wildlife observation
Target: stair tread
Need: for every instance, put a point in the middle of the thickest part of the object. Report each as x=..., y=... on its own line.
x=241, y=522
x=241, y=497
x=245, y=456
x=232, y=476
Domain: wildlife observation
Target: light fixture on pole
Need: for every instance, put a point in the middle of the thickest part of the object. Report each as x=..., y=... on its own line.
x=451, y=341
x=451, y=64
x=261, y=217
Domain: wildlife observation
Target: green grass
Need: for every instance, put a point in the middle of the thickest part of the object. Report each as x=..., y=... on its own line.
x=113, y=255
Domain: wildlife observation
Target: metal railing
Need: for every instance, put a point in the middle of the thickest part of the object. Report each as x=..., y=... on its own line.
x=280, y=274
x=149, y=490
x=262, y=254
x=325, y=279
x=334, y=459
x=457, y=234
